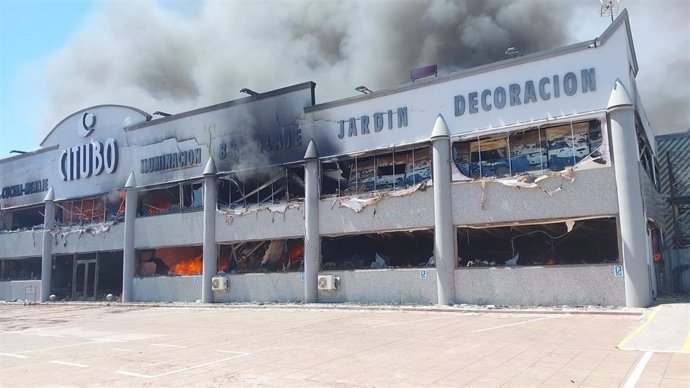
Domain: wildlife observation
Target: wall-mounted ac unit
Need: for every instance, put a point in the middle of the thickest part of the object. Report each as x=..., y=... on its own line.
x=220, y=283
x=328, y=282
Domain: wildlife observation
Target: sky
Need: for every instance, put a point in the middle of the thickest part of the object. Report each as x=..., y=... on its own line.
x=60, y=56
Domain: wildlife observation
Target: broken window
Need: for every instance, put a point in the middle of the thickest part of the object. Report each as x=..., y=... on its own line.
x=553, y=147
x=23, y=218
x=394, y=170
x=261, y=186
x=170, y=261
x=107, y=207
x=570, y=242
x=262, y=256
x=186, y=196
x=192, y=196
x=378, y=250
x=20, y=269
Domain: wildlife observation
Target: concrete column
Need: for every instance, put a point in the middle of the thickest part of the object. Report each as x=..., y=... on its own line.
x=444, y=233
x=210, y=254
x=128, y=256
x=47, y=248
x=312, y=237
x=631, y=219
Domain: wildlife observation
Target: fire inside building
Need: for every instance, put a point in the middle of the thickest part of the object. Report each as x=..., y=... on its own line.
x=531, y=181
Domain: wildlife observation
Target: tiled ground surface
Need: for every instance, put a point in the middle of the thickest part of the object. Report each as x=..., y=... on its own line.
x=72, y=345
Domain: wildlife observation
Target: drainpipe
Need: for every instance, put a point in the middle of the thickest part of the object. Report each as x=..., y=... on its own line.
x=210, y=255
x=444, y=239
x=47, y=249
x=312, y=238
x=128, y=255
x=631, y=220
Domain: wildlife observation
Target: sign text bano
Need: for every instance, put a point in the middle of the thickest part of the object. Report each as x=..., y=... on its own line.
x=529, y=92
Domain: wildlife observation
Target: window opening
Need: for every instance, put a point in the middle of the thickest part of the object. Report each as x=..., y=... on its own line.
x=412, y=249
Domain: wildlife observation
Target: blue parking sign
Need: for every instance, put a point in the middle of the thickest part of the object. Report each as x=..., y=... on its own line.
x=618, y=271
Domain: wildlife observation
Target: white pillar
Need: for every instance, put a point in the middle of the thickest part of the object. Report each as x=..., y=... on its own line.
x=312, y=238
x=210, y=254
x=128, y=255
x=47, y=248
x=444, y=232
x=631, y=220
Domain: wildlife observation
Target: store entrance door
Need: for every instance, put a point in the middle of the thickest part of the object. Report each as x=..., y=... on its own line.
x=85, y=279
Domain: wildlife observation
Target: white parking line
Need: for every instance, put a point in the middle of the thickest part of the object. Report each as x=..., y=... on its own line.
x=170, y=346
x=13, y=355
x=68, y=363
x=415, y=321
x=134, y=374
x=59, y=347
x=51, y=335
x=106, y=340
x=632, y=380
x=123, y=350
x=512, y=324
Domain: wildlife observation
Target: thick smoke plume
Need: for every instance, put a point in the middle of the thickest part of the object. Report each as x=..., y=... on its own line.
x=143, y=54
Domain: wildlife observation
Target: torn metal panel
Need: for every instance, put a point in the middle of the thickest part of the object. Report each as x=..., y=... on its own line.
x=230, y=214
x=357, y=204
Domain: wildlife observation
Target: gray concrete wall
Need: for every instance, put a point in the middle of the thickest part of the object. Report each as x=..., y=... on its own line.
x=540, y=286
x=88, y=241
x=263, y=287
x=593, y=193
x=168, y=230
x=387, y=286
x=17, y=289
x=167, y=289
x=21, y=244
x=271, y=224
x=412, y=211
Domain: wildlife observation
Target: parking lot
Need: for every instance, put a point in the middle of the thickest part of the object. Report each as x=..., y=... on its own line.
x=101, y=345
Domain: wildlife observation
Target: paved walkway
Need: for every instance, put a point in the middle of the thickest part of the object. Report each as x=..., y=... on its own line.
x=79, y=345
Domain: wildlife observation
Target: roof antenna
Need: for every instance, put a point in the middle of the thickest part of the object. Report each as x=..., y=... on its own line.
x=609, y=7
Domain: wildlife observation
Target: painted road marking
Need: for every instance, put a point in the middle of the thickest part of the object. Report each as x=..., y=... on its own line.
x=68, y=364
x=686, y=345
x=106, y=340
x=51, y=335
x=632, y=380
x=637, y=331
x=509, y=325
x=170, y=346
x=13, y=355
x=123, y=350
x=134, y=374
x=415, y=321
x=59, y=347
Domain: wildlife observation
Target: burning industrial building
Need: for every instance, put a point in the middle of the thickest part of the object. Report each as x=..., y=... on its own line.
x=483, y=185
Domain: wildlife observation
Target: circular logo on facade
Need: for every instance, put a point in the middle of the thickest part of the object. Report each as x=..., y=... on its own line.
x=88, y=124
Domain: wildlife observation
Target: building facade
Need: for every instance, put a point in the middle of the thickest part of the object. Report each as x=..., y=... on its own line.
x=531, y=181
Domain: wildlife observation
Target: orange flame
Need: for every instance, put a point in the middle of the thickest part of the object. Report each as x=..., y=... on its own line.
x=192, y=266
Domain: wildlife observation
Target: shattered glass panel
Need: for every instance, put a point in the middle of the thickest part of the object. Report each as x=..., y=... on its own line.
x=390, y=171
x=192, y=196
x=81, y=211
x=527, y=150
x=23, y=218
x=260, y=186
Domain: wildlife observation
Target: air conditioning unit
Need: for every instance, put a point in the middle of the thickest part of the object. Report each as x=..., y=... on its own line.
x=328, y=282
x=220, y=283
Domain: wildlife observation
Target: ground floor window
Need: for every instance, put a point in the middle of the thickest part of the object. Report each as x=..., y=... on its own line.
x=262, y=256
x=20, y=269
x=378, y=250
x=570, y=242
x=170, y=261
x=87, y=276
